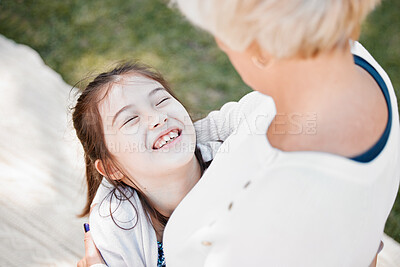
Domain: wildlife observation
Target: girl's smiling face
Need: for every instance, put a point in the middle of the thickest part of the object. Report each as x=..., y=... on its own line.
x=147, y=130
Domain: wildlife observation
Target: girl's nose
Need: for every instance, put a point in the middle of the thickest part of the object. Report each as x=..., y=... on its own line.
x=157, y=120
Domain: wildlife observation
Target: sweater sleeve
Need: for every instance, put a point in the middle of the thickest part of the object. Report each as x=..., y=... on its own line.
x=214, y=129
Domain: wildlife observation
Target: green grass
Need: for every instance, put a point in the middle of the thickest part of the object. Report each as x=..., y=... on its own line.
x=381, y=36
x=75, y=37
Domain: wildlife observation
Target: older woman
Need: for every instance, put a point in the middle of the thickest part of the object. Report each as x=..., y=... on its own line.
x=310, y=180
x=313, y=181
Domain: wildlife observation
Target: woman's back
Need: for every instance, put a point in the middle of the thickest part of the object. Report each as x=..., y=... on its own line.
x=282, y=206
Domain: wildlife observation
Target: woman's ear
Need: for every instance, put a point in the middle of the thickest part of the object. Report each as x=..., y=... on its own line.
x=355, y=35
x=112, y=171
x=259, y=57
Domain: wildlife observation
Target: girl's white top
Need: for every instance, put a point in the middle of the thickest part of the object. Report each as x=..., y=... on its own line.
x=136, y=247
x=119, y=247
x=260, y=206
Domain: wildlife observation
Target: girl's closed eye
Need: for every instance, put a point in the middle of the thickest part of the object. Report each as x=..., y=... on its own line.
x=162, y=101
x=134, y=118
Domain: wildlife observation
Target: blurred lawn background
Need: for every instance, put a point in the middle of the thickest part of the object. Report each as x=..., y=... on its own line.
x=79, y=37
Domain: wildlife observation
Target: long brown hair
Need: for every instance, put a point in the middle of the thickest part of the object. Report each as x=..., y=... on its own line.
x=89, y=129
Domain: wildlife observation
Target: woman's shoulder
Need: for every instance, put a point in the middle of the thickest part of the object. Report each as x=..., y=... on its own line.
x=357, y=49
x=255, y=99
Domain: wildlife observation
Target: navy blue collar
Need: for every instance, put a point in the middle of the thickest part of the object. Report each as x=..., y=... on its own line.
x=376, y=149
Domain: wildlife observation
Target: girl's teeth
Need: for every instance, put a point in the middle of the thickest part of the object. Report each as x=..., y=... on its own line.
x=173, y=134
x=163, y=140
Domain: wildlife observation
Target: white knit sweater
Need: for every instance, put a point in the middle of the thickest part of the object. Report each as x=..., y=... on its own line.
x=259, y=206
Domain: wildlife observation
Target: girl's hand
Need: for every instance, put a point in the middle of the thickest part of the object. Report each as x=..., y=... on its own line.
x=92, y=254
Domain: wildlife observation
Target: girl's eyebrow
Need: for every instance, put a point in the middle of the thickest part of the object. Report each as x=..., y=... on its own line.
x=154, y=91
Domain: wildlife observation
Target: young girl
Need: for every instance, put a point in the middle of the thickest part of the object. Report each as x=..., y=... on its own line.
x=141, y=139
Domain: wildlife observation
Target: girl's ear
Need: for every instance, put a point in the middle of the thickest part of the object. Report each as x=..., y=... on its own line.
x=113, y=172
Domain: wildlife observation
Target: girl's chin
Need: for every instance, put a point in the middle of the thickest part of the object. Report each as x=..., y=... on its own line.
x=176, y=150
x=175, y=156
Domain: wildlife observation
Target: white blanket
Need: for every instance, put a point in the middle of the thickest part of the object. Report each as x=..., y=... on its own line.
x=41, y=164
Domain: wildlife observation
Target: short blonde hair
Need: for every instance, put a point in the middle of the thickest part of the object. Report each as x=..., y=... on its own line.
x=283, y=28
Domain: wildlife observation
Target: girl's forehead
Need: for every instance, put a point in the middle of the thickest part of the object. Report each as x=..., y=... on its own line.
x=133, y=85
x=127, y=90
x=138, y=80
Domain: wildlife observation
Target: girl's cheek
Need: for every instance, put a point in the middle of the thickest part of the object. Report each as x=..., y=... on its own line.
x=182, y=113
x=130, y=129
x=130, y=148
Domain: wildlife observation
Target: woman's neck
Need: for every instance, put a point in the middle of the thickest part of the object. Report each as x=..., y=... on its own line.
x=298, y=84
x=329, y=93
